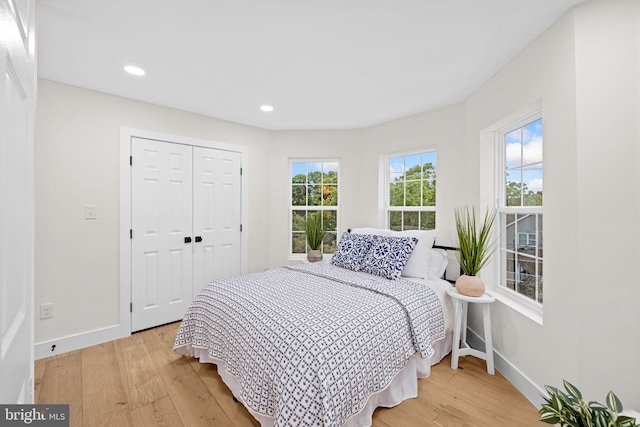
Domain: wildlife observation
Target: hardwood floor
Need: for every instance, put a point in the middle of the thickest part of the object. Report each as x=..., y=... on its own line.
x=139, y=381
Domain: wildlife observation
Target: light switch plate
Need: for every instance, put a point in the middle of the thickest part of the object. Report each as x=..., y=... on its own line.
x=90, y=212
x=46, y=311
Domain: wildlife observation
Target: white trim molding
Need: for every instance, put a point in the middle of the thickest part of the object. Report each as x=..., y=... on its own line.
x=519, y=380
x=76, y=342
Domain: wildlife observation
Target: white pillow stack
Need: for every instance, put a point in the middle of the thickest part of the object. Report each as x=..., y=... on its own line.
x=424, y=262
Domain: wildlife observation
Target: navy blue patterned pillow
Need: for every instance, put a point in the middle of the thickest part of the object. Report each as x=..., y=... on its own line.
x=351, y=250
x=388, y=255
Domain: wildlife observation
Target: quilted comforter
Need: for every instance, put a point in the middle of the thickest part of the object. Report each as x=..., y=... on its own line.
x=308, y=344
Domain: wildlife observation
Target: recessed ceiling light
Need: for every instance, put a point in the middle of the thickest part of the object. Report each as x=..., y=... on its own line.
x=132, y=69
x=266, y=108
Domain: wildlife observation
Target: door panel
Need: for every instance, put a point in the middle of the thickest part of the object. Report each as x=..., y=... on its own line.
x=177, y=267
x=151, y=279
x=161, y=273
x=216, y=215
x=17, y=106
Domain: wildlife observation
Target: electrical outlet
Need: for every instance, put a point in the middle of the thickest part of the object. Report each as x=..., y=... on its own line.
x=46, y=311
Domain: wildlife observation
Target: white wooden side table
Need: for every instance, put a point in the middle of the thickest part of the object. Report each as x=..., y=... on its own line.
x=460, y=346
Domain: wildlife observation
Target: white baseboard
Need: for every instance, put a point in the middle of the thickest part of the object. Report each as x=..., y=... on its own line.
x=76, y=342
x=520, y=381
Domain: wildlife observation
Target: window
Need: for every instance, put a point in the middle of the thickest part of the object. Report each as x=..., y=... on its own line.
x=520, y=209
x=411, y=184
x=314, y=188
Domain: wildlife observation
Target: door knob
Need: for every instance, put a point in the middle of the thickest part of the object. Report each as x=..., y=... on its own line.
x=198, y=239
x=187, y=239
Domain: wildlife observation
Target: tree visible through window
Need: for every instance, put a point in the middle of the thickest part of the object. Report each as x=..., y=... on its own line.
x=521, y=209
x=314, y=188
x=412, y=192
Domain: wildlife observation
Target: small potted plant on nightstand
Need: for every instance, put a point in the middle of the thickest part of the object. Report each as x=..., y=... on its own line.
x=475, y=248
x=315, y=235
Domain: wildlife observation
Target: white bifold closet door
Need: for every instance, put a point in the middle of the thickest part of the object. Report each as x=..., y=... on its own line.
x=216, y=215
x=186, y=210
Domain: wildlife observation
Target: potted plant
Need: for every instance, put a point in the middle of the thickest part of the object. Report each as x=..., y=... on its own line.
x=569, y=410
x=315, y=235
x=475, y=248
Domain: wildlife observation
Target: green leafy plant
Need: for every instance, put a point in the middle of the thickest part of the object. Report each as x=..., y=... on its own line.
x=473, y=239
x=315, y=233
x=569, y=410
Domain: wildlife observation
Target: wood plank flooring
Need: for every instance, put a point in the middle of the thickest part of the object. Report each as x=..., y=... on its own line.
x=139, y=381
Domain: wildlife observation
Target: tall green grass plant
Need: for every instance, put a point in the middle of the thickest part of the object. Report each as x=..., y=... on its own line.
x=474, y=239
x=315, y=233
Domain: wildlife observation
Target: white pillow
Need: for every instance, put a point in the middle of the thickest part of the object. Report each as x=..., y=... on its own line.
x=418, y=263
x=438, y=260
x=368, y=230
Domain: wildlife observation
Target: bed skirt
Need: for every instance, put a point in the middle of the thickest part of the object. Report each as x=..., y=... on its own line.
x=403, y=386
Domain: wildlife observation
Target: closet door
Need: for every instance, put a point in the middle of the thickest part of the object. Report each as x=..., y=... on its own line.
x=162, y=256
x=216, y=215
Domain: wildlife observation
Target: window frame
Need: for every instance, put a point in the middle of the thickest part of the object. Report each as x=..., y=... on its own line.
x=387, y=186
x=307, y=207
x=524, y=304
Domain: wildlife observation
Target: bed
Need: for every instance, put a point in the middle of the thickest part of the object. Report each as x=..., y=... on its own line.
x=322, y=344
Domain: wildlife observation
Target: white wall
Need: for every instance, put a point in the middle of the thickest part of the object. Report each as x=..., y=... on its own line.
x=608, y=202
x=442, y=129
x=584, y=73
x=77, y=163
x=360, y=153
x=343, y=145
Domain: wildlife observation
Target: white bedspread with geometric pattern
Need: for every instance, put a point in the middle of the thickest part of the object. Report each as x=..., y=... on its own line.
x=309, y=344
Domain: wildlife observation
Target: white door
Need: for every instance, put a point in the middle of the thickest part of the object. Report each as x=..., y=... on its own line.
x=216, y=215
x=161, y=268
x=17, y=110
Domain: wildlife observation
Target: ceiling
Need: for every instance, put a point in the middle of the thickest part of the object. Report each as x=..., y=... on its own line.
x=330, y=64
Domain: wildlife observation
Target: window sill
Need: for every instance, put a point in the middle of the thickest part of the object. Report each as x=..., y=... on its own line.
x=512, y=301
x=303, y=258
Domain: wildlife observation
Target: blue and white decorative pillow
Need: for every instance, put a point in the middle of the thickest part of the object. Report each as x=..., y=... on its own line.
x=351, y=250
x=388, y=255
